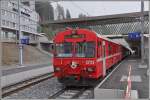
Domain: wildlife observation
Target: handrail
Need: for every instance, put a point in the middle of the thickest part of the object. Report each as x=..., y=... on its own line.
x=128, y=88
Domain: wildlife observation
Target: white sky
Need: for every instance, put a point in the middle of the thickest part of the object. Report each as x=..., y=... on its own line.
x=98, y=8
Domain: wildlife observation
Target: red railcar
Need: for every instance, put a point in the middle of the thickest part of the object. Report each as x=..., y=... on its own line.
x=82, y=56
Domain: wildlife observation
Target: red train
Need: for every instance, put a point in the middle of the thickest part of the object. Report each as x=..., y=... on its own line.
x=82, y=56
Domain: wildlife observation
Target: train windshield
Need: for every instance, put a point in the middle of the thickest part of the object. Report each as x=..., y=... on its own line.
x=85, y=49
x=64, y=49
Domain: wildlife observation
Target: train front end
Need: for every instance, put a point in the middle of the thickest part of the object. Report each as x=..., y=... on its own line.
x=75, y=56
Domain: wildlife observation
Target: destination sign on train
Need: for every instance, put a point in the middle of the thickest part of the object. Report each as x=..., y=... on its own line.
x=75, y=36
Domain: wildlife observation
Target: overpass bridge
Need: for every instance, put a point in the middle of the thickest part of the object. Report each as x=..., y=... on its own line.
x=105, y=25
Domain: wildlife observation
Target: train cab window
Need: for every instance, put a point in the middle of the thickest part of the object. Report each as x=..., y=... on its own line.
x=85, y=49
x=80, y=49
x=90, y=49
x=64, y=49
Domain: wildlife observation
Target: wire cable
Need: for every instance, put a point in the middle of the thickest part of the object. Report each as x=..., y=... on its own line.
x=79, y=8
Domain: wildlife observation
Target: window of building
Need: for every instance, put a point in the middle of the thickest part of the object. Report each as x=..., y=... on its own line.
x=14, y=16
x=2, y=35
x=10, y=24
x=9, y=4
x=6, y=34
x=13, y=4
x=23, y=19
x=3, y=12
x=11, y=15
x=3, y=22
x=3, y=3
x=29, y=20
x=14, y=25
x=7, y=23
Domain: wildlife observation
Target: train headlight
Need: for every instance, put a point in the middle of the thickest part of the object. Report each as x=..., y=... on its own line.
x=57, y=69
x=74, y=65
x=90, y=69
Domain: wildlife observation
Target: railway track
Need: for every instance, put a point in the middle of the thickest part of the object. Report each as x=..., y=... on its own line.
x=72, y=93
x=8, y=90
x=81, y=92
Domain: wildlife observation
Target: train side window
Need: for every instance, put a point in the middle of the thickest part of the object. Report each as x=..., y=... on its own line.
x=109, y=49
x=104, y=51
x=98, y=49
x=99, y=43
x=52, y=48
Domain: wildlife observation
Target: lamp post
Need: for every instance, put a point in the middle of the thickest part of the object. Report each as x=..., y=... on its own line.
x=0, y=50
x=0, y=20
x=142, y=31
x=20, y=36
x=149, y=48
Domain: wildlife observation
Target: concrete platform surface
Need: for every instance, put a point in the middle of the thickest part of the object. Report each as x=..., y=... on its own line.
x=113, y=94
x=18, y=68
x=24, y=73
x=139, y=78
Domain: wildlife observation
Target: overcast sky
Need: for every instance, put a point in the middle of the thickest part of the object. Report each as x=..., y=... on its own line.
x=98, y=8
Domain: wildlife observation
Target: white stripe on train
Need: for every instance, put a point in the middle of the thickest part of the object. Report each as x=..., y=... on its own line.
x=100, y=59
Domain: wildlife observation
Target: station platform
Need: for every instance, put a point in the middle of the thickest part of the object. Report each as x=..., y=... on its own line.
x=19, y=73
x=117, y=81
x=17, y=68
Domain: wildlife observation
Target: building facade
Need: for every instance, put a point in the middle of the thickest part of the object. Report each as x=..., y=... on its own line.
x=29, y=20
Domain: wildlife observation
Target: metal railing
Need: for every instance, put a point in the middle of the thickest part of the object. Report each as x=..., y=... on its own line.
x=128, y=88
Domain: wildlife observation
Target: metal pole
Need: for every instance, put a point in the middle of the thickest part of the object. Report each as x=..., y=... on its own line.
x=148, y=71
x=142, y=31
x=20, y=36
x=0, y=21
x=0, y=50
x=149, y=47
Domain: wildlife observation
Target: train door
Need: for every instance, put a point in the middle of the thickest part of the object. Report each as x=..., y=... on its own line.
x=104, y=58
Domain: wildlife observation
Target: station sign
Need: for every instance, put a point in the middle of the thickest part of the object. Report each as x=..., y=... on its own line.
x=25, y=40
x=134, y=36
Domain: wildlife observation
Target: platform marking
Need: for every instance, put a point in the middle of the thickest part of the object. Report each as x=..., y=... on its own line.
x=134, y=78
x=143, y=66
x=131, y=60
x=109, y=75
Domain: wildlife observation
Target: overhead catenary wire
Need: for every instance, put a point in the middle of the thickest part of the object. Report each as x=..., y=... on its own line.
x=77, y=6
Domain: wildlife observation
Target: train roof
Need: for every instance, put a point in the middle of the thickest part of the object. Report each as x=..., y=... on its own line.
x=105, y=38
x=120, y=41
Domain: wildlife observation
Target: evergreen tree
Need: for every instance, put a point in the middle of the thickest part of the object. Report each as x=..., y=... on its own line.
x=68, y=16
x=81, y=15
x=45, y=10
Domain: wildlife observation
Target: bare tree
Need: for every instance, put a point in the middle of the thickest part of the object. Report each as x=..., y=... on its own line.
x=60, y=10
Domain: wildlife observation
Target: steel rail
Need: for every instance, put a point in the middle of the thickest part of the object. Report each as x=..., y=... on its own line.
x=11, y=89
x=68, y=93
